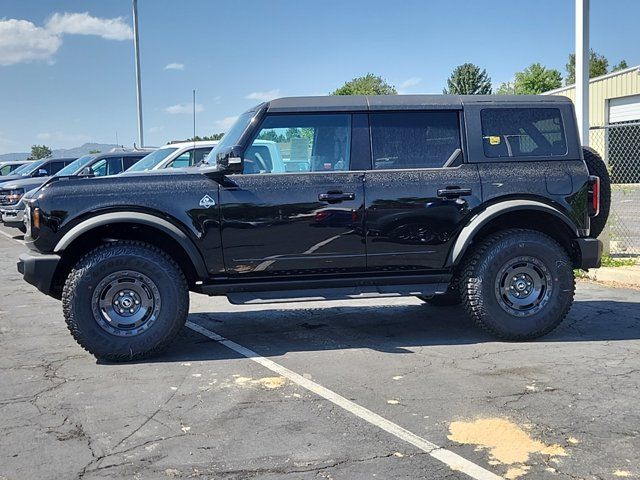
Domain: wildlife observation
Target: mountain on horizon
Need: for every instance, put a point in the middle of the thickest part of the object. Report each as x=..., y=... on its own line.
x=64, y=152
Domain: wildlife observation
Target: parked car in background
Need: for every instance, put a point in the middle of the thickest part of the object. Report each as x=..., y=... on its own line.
x=175, y=155
x=37, y=168
x=7, y=168
x=96, y=165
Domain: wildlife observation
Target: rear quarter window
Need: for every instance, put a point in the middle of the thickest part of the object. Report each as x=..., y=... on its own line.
x=522, y=132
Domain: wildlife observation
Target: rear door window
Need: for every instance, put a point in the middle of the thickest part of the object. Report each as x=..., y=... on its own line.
x=522, y=132
x=408, y=140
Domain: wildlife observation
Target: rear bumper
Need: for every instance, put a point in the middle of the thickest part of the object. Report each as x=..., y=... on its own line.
x=38, y=270
x=590, y=252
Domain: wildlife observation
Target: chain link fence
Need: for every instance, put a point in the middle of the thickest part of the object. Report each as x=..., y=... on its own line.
x=619, y=146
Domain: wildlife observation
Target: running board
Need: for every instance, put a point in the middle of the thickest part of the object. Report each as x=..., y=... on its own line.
x=336, y=293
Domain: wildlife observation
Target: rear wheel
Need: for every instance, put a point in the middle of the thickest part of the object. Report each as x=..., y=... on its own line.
x=125, y=300
x=597, y=167
x=518, y=284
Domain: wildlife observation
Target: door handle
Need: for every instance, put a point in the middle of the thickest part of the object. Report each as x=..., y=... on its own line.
x=335, y=197
x=454, y=192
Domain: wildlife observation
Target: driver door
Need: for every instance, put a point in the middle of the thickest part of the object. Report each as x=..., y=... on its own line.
x=297, y=207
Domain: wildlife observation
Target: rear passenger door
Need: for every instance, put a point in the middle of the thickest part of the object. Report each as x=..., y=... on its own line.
x=419, y=191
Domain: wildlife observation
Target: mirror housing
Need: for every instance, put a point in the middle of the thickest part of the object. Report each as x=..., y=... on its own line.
x=230, y=160
x=87, y=172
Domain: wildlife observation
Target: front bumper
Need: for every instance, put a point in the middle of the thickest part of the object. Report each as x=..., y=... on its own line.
x=38, y=269
x=590, y=250
x=12, y=217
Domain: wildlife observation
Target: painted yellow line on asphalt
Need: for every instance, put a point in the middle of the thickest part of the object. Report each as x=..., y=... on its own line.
x=449, y=458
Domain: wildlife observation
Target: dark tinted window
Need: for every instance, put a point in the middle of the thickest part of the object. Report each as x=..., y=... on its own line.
x=414, y=139
x=130, y=161
x=522, y=132
x=55, y=167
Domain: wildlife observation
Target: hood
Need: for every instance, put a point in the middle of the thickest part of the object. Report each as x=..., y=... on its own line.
x=10, y=178
x=28, y=183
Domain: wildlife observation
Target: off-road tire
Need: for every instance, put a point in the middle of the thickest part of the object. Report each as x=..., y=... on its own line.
x=110, y=259
x=482, y=272
x=596, y=166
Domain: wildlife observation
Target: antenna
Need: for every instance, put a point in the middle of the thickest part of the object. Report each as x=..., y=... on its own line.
x=117, y=143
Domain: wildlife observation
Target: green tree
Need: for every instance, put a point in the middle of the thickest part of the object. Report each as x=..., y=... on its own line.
x=369, y=84
x=598, y=65
x=198, y=138
x=620, y=66
x=537, y=79
x=506, y=88
x=40, y=151
x=468, y=79
x=92, y=152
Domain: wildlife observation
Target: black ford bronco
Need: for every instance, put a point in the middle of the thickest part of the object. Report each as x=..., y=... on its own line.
x=488, y=201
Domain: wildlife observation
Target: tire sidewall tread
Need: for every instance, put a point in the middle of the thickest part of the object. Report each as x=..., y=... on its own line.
x=125, y=255
x=477, y=288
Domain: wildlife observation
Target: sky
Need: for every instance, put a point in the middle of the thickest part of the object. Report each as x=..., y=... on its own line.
x=67, y=67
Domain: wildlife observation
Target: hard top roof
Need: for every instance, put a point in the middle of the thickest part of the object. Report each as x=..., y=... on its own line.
x=399, y=102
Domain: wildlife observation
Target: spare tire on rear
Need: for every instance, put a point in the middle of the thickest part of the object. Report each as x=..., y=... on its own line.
x=597, y=167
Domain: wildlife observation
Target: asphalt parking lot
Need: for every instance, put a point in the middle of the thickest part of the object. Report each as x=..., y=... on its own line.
x=338, y=390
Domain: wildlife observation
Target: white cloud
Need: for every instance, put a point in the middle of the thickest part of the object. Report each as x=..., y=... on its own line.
x=174, y=66
x=155, y=129
x=85, y=24
x=21, y=41
x=408, y=83
x=226, y=123
x=264, y=96
x=183, y=108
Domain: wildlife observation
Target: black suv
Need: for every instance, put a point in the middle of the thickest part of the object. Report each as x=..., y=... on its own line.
x=480, y=200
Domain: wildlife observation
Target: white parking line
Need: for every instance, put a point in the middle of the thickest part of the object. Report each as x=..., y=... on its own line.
x=453, y=460
x=5, y=234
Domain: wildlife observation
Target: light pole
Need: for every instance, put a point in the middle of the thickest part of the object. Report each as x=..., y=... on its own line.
x=582, y=69
x=136, y=47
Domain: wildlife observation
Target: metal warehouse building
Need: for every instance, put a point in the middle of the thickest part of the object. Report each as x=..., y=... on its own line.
x=614, y=120
x=614, y=131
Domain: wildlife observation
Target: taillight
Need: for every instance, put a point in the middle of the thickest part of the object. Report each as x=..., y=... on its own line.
x=594, y=196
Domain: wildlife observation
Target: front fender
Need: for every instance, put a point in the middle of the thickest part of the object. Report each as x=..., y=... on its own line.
x=141, y=218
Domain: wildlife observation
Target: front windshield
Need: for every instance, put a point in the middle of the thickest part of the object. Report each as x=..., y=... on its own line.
x=151, y=160
x=33, y=166
x=75, y=167
x=232, y=137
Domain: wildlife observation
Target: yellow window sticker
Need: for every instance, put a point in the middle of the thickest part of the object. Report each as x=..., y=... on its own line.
x=494, y=140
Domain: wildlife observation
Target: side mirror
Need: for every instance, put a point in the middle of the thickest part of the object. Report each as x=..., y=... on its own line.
x=87, y=172
x=42, y=173
x=230, y=161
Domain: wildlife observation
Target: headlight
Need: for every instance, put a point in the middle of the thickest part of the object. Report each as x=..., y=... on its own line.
x=14, y=196
x=11, y=196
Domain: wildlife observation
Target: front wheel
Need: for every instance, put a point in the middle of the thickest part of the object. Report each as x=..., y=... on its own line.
x=518, y=284
x=125, y=301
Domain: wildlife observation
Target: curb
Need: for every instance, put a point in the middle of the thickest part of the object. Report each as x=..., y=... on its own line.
x=620, y=275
